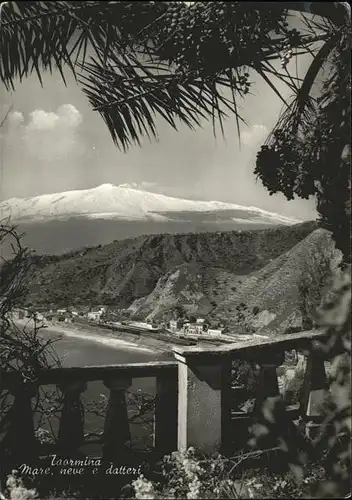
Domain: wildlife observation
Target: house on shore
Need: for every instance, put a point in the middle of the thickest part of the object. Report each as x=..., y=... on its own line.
x=200, y=327
x=93, y=315
x=176, y=325
x=96, y=313
x=214, y=332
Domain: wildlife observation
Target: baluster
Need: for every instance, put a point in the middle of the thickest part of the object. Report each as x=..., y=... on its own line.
x=313, y=393
x=165, y=416
x=116, y=428
x=268, y=389
x=71, y=431
x=19, y=442
x=268, y=383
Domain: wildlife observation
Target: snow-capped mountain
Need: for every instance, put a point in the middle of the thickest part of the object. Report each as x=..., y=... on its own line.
x=62, y=222
x=111, y=202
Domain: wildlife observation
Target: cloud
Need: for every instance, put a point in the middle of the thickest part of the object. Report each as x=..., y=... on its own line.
x=254, y=134
x=51, y=135
x=41, y=120
x=66, y=116
x=15, y=118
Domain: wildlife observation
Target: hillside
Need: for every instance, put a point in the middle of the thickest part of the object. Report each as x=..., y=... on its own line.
x=123, y=271
x=281, y=295
x=285, y=293
x=57, y=237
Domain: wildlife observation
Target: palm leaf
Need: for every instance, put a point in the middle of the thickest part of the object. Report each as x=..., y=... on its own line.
x=300, y=110
x=131, y=77
x=3, y=121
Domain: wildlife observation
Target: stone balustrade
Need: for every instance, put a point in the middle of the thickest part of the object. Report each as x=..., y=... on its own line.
x=194, y=396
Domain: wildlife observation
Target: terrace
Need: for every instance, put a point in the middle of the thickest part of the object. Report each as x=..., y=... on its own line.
x=194, y=403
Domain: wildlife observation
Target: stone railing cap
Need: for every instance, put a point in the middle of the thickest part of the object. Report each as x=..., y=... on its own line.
x=288, y=341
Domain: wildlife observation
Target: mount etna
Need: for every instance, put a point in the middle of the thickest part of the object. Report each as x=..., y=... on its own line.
x=156, y=255
x=61, y=222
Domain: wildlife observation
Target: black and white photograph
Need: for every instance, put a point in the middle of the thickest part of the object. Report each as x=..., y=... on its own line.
x=175, y=250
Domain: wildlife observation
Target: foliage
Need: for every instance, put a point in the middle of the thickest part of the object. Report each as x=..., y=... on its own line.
x=242, y=315
x=308, y=152
x=150, y=58
x=21, y=349
x=311, y=291
x=190, y=475
x=335, y=432
x=184, y=475
x=16, y=489
x=245, y=374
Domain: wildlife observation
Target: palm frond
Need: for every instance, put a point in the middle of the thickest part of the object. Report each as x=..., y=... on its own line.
x=34, y=35
x=302, y=110
x=316, y=66
x=3, y=121
x=129, y=95
x=147, y=58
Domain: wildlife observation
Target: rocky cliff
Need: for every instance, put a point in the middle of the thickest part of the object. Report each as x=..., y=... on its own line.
x=280, y=296
x=124, y=271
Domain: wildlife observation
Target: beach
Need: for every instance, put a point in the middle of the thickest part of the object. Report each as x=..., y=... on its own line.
x=77, y=346
x=83, y=345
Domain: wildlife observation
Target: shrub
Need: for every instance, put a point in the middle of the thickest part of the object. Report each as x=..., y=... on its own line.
x=335, y=432
x=16, y=489
x=189, y=475
x=186, y=475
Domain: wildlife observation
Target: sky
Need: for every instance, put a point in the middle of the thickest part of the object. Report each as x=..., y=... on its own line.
x=55, y=142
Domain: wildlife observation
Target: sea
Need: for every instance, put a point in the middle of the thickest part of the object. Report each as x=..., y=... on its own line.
x=95, y=350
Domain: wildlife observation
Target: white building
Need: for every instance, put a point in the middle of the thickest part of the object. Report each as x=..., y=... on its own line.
x=94, y=315
x=141, y=324
x=173, y=325
x=190, y=328
x=214, y=332
x=185, y=327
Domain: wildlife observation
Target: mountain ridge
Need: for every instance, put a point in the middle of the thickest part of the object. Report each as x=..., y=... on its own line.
x=123, y=271
x=108, y=202
x=274, y=299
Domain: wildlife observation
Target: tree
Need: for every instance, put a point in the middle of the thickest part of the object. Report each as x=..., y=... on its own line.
x=179, y=312
x=21, y=349
x=149, y=58
x=308, y=152
x=334, y=436
x=192, y=319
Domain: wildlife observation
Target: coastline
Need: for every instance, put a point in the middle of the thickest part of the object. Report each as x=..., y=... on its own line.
x=92, y=334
